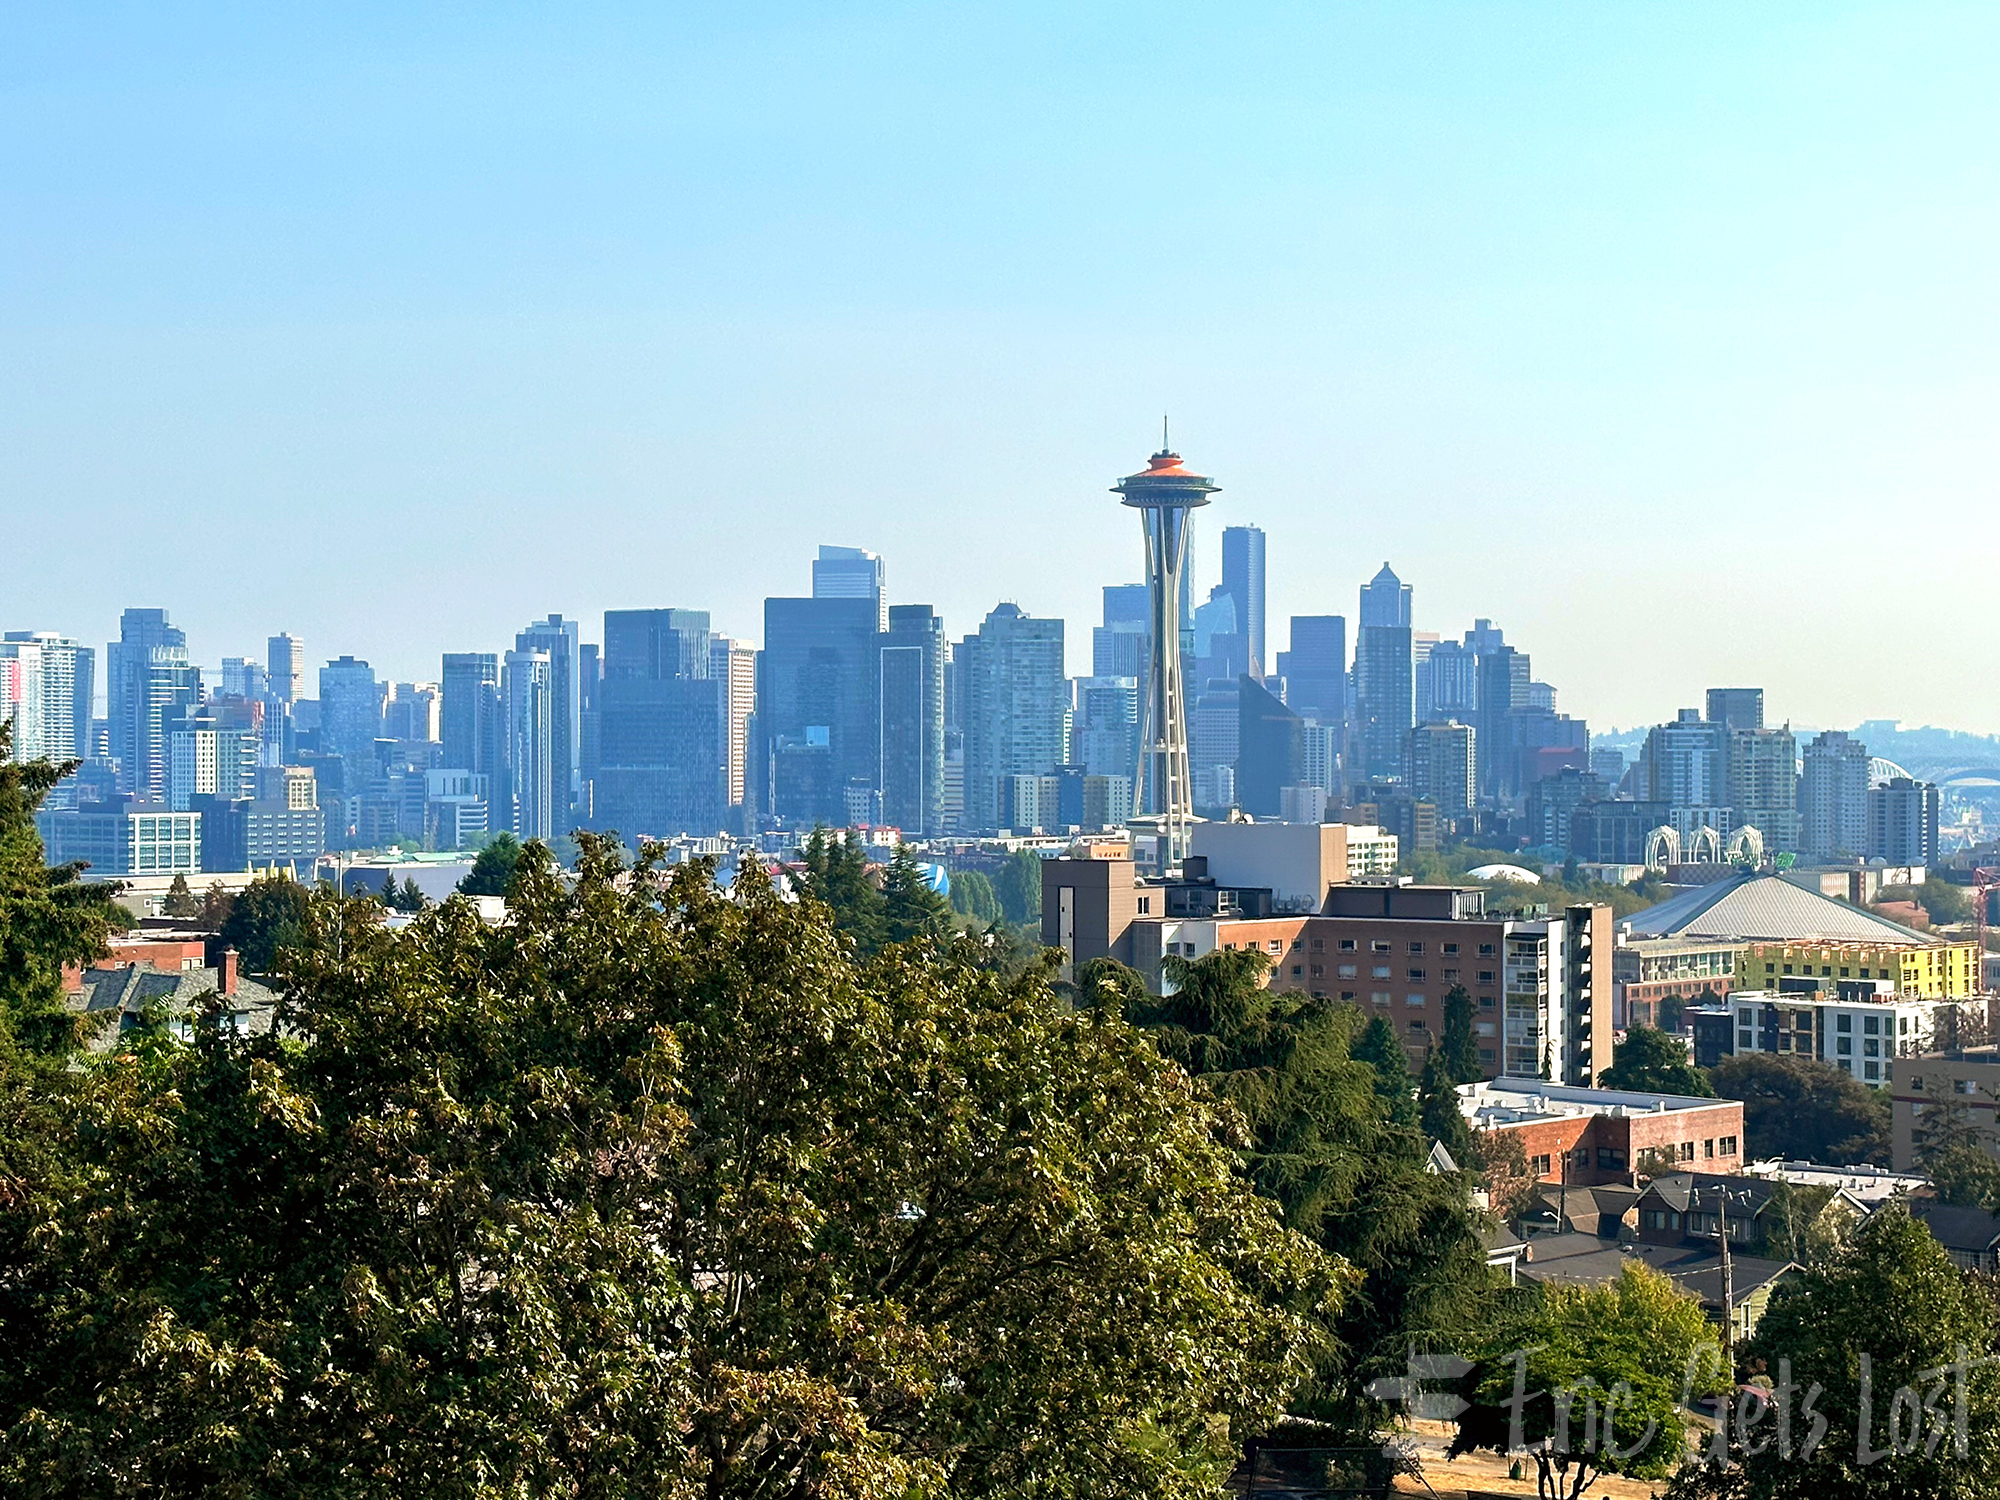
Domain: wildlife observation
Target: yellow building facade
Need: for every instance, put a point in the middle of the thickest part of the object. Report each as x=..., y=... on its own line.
x=1933, y=971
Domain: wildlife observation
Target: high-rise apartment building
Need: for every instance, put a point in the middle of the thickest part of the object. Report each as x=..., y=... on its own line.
x=21, y=700
x=1737, y=708
x=559, y=638
x=910, y=728
x=817, y=711
x=244, y=677
x=527, y=686
x=1315, y=669
x=1385, y=601
x=1104, y=727
x=1763, y=778
x=852, y=573
x=350, y=707
x=1118, y=646
x=733, y=665
x=285, y=666
x=68, y=686
x=1243, y=581
x=1448, y=683
x=1903, y=822
x=210, y=758
x=470, y=720
x=662, y=726
x=1440, y=761
x=1833, y=798
x=1685, y=765
x=1016, y=706
x=411, y=711
x=150, y=681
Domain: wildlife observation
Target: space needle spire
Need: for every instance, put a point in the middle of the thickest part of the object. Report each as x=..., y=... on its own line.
x=1163, y=493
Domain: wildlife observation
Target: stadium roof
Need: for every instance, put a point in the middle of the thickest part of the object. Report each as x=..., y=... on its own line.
x=1769, y=909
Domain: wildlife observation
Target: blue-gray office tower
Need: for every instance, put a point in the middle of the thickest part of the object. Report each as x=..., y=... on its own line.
x=910, y=725
x=1315, y=669
x=660, y=732
x=559, y=637
x=149, y=682
x=1384, y=674
x=1243, y=581
x=817, y=716
x=470, y=722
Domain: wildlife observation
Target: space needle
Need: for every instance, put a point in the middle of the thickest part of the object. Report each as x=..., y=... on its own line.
x=1163, y=493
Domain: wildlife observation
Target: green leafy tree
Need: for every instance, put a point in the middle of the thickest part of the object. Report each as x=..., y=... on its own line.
x=1018, y=887
x=49, y=918
x=1438, y=1110
x=1379, y=1048
x=1650, y=1061
x=1502, y=1164
x=492, y=869
x=265, y=917
x=654, y=1190
x=1458, y=1042
x=1806, y=1110
x=215, y=904
x=972, y=896
x=1964, y=1176
x=1322, y=1143
x=1567, y=1362
x=180, y=900
x=1896, y=1300
x=910, y=907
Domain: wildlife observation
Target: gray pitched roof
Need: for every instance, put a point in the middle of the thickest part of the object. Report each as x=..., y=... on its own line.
x=1701, y=1192
x=1971, y=1229
x=1769, y=908
x=128, y=990
x=1586, y=1260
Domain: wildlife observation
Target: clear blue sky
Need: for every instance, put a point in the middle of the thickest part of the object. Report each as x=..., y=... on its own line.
x=1664, y=335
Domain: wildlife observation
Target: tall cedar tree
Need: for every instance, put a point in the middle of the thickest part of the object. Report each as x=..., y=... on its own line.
x=653, y=1190
x=1458, y=1044
x=1378, y=1047
x=492, y=869
x=910, y=907
x=180, y=900
x=836, y=875
x=265, y=917
x=1437, y=1107
x=1327, y=1146
x=1650, y=1061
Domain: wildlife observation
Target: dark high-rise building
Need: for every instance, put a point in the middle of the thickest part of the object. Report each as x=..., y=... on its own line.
x=817, y=713
x=662, y=736
x=1384, y=696
x=911, y=725
x=1903, y=822
x=470, y=722
x=1448, y=684
x=559, y=638
x=1016, y=708
x=1315, y=669
x=285, y=667
x=1739, y=708
x=1243, y=581
x=350, y=707
x=1503, y=694
x=1118, y=646
x=1385, y=601
x=852, y=573
x=1270, y=752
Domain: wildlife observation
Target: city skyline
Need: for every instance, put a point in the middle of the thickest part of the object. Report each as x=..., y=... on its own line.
x=1545, y=310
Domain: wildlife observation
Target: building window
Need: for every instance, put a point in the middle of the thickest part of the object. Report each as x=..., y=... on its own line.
x=1727, y=1145
x=1539, y=1166
x=1145, y=905
x=1871, y=1048
x=1416, y=947
x=1903, y=1025
x=1843, y=971
x=1610, y=1159
x=1746, y=1041
x=1297, y=970
x=1485, y=976
x=1845, y=1023
x=1486, y=1002
x=1347, y=971
x=1380, y=997
x=1963, y=1086
x=1871, y=1070
x=1378, y=946
x=1687, y=1150
x=1349, y=995
x=1347, y=945
x=1486, y=1054
x=1485, y=950
x=1708, y=1149
x=1416, y=1025
x=1451, y=947
x=1844, y=1046
x=1872, y=1025
x=1449, y=975
x=1417, y=975
x=1416, y=1000
x=1380, y=971
x=1847, y=1067
x=1319, y=945
x=1788, y=968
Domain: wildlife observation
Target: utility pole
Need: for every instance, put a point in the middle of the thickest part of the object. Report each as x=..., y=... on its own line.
x=1728, y=1289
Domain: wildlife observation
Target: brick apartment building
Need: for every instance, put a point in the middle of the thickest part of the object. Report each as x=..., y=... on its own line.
x=1596, y=1137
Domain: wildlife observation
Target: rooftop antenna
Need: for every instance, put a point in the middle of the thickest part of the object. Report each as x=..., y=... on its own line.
x=1165, y=446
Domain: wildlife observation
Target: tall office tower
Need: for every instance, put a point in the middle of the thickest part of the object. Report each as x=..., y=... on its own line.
x=1016, y=707
x=1220, y=649
x=589, y=730
x=1484, y=637
x=1833, y=798
x=1739, y=708
x=1104, y=726
x=1118, y=646
x=1384, y=697
x=1903, y=822
x=852, y=573
x=1270, y=749
x=662, y=735
x=1448, y=683
x=148, y=680
x=411, y=711
x=1385, y=601
x=733, y=665
x=1315, y=669
x=1763, y=784
x=1215, y=737
x=244, y=677
x=1163, y=494
x=469, y=715
x=1439, y=764
x=528, y=780
x=817, y=712
x=285, y=665
x=209, y=758
x=1503, y=696
x=1685, y=765
x=1243, y=581
x=1541, y=697
x=558, y=637
x=350, y=707
x=23, y=700
x=69, y=684
x=910, y=724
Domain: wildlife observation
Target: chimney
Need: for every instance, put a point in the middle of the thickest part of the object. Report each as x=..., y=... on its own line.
x=228, y=971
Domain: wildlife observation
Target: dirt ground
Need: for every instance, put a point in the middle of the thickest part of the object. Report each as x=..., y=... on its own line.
x=1449, y=1480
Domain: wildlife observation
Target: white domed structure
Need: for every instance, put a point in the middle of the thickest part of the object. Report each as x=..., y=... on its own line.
x=1881, y=772
x=1505, y=872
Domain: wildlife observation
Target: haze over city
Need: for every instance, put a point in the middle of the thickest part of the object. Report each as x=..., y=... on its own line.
x=1662, y=337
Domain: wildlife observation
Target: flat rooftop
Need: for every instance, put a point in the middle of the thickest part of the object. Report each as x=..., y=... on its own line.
x=1523, y=1101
